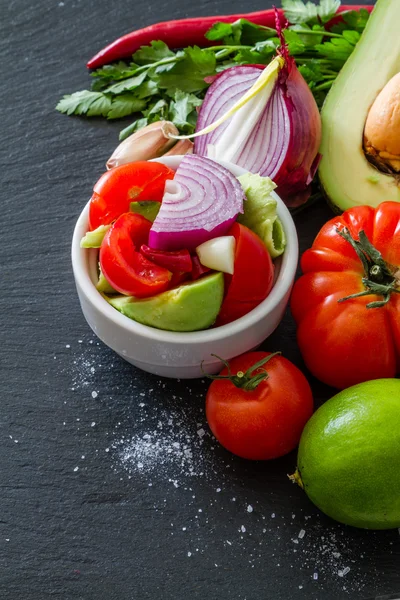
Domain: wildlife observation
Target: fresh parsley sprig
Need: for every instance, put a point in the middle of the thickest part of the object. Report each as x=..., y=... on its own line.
x=159, y=83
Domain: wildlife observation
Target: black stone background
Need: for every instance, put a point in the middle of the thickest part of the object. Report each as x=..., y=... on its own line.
x=76, y=521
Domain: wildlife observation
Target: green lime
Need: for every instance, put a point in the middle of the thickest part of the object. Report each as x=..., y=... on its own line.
x=349, y=456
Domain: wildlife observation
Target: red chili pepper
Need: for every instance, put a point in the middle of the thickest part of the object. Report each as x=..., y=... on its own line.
x=181, y=33
x=198, y=269
x=176, y=261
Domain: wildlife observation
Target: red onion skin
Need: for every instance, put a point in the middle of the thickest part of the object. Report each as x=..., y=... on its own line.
x=301, y=162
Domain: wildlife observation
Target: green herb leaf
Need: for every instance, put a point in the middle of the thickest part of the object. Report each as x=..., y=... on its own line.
x=294, y=42
x=183, y=110
x=127, y=84
x=138, y=124
x=115, y=71
x=146, y=89
x=297, y=11
x=147, y=55
x=219, y=31
x=125, y=104
x=353, y=19
x=79, y=103
x=337, y=49
x=188, y=74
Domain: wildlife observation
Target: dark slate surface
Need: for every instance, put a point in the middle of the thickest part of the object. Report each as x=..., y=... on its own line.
x=81, y=516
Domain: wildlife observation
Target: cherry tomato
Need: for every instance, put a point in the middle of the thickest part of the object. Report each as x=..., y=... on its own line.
x=120, y=186
x=347, y=303
x=124, y=267
x=267, y=421
x=252, y=278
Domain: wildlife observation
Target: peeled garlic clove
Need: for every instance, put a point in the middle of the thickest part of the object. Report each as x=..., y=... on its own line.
x=382, y=127
x=181, y=147
x=149, y=142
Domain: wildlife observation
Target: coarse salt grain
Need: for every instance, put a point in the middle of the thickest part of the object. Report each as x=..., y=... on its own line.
x=302, y=533
x=94, y=394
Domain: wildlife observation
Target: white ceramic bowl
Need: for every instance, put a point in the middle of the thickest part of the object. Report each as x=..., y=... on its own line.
x=180, y=355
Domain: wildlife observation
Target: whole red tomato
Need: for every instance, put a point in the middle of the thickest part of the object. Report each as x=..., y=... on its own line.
x=122, y=264
x=347, y=303
x=252, y=278
x=257, y=416
x=117, y=188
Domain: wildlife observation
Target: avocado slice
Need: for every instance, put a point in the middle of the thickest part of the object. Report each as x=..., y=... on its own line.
x=93, y=239
x=147, y=208
x=347, y=177
x=103, y=286
x=189, y=307
x=260, y=212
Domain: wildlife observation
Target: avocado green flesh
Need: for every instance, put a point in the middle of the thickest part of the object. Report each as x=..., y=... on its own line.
x=149, y=209
x=346, y=175
x=349, y=456
x=189, y=307
x=102, y=285
x=260, y=212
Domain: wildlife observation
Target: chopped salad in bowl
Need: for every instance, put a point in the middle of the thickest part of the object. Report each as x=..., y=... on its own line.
x=167, y=308
x=184, y=250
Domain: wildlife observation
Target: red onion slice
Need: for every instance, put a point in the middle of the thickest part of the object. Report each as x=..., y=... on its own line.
x=278, y=133
x=200, y=203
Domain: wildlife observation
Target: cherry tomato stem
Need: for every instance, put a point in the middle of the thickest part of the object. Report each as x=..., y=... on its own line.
x=244, y=380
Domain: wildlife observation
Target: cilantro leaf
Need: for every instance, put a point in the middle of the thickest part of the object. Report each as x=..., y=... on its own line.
x=147, y=55
x=219, y=31
x=159, y=108
x=79, y=103
x=250, y=33
x=338, y=49
x=327, y=9
x=100, y=107
x=138, y=124
x=183, y=110
x=294, y=42
x=297, y=11
x=125, y=104
x=115, y=71
x=146, y=89
x=188, y=74
x=127, y=84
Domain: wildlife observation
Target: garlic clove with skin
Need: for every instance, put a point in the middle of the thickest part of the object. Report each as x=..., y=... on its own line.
x=149, y=142
x=382, y=128
x=180, y=148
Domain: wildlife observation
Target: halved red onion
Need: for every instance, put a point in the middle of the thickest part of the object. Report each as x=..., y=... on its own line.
x=274, y=134
x=201, y=202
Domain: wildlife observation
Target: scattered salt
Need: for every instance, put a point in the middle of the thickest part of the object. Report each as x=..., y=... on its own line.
x=76, y=469
x=302, y=533
x=94, y=394
x=243, y=529
x=189, y=554
x=250, y=508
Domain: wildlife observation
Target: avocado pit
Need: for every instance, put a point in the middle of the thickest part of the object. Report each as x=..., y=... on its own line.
x=382, y=129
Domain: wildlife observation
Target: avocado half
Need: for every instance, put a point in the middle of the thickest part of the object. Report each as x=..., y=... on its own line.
x=347, y=177
x=190, y=307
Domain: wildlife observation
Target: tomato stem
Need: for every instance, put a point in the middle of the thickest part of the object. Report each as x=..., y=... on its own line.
x=244, y=381
x=380, y=277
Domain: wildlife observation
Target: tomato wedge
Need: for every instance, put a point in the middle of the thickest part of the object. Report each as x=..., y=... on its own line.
x=120, y=186
x=252, y=279
x=124, y=267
